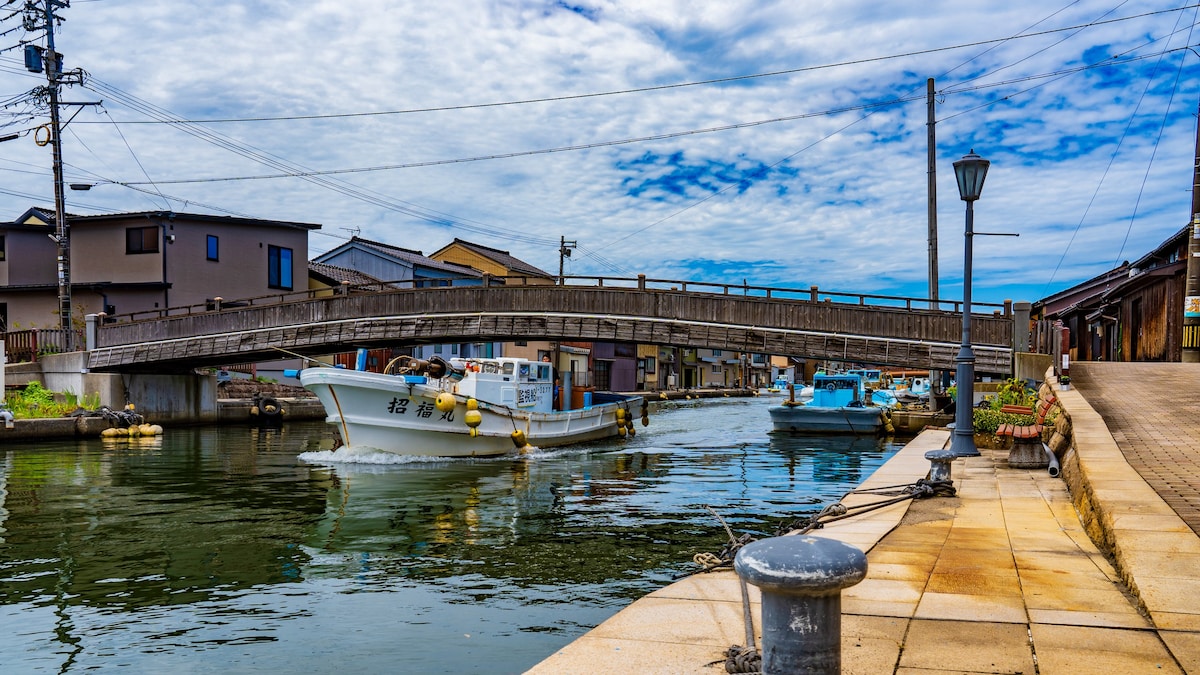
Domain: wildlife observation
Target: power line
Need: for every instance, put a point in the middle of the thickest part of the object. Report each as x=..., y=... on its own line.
x=1107, y=63
x=662, y=87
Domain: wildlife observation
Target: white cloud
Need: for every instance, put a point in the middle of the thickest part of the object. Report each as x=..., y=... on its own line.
x=833, y=199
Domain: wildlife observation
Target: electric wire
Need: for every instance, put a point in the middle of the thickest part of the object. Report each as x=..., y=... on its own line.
x=1104, y=175
x=680, y=85
x=1153, y=151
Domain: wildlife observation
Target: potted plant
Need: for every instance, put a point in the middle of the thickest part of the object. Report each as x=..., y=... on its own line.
x=1064, y=382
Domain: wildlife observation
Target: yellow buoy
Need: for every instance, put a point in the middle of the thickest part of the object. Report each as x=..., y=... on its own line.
x=620, y=415
x=662, y=395
x=631, y=431
x=472, y=404
x=157, y=429
x=445, y=401
x=518, y=439
x=146, y=430
x=474, y=432
x=473, y=418
x=645, y=420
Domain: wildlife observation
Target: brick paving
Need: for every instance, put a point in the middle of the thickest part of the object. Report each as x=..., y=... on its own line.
x=1152, y=411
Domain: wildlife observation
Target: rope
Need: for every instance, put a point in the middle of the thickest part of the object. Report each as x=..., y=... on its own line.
x=739, y=659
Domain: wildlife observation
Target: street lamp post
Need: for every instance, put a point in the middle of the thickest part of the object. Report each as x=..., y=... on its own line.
x=970, y=172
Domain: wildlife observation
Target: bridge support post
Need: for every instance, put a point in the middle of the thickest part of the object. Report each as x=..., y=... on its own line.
x=91, y=324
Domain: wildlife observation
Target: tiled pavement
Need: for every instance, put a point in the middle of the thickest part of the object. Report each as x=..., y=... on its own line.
x=1153, y=413
x=1002, y=578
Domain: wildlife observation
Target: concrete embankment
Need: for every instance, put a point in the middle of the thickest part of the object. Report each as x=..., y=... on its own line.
x=1013, y=574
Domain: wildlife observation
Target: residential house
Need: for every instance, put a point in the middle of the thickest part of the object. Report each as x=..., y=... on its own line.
x=402, y=267
x=327, y=280
x=513, y=270
x=1133, y=312
x=132, y=262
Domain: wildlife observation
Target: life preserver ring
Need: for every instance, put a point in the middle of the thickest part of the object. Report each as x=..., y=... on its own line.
x=830, y=388
x=39, y=139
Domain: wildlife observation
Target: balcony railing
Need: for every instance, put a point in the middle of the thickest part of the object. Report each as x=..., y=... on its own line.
x=28, y=345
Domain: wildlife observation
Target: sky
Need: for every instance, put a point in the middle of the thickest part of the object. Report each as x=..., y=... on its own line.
x=774, y=143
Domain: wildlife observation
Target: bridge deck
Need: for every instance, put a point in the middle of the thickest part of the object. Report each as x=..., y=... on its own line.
x=899, y=336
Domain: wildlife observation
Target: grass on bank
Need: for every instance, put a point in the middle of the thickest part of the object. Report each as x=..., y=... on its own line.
x=37, y=402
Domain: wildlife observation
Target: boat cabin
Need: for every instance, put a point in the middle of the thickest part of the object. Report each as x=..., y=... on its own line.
x=872, y=377
x=835, y=391
x=512, y=382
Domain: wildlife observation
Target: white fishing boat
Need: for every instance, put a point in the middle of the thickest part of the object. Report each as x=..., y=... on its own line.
x=462, y=408
x=839, y=406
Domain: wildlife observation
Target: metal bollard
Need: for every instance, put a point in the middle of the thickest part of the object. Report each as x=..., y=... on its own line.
x=801, y=579
x=939, y=464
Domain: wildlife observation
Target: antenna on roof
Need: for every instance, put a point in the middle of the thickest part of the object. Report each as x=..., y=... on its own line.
x=354, y=231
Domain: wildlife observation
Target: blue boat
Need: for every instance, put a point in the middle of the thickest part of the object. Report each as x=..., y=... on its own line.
x=839, y=406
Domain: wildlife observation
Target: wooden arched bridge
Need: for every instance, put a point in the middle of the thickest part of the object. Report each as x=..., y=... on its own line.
x=810, y=323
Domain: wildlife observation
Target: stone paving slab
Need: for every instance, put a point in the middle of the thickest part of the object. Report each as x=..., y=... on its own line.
x=1003, y=577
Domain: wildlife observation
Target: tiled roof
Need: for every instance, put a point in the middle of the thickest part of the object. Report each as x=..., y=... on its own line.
x=335, y=275
x=503, y=258
x=416, y=257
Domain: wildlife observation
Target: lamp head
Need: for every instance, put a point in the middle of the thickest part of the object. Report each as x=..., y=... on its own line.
x=970, y=171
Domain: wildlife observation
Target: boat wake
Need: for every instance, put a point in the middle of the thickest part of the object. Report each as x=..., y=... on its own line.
x=349, y=455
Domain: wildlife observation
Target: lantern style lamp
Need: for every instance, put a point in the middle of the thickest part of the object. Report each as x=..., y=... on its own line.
x=970, y=171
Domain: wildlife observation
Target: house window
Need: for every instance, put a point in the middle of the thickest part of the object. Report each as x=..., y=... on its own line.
x=279, y=267
x=141, y=240
x=716, y=352
x=212, y=247
x=2, y=247
x=650, y=365
x=716, y=368
x=437, y=349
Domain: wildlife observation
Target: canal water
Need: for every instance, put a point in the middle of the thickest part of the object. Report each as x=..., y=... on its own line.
x=224, y=549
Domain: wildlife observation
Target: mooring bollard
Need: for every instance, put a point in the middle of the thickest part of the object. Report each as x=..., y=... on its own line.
x=939, y=464
x=801, y=579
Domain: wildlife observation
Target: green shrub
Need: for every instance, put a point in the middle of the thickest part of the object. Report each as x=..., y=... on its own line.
x=988, y=420
x=1013, y=392
x=35, y=402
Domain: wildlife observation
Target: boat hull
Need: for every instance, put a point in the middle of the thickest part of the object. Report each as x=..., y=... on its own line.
x=827, y=420
x=388, y=413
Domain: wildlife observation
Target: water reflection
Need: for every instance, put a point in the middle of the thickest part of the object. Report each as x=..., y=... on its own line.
x=830, y=458
x=213, y=544
x=130, y=525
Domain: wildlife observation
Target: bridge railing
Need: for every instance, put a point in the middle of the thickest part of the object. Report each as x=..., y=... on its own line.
x=640, y=283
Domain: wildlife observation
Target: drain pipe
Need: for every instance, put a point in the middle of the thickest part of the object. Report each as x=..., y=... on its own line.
x=1055, y=468
x=7, y=416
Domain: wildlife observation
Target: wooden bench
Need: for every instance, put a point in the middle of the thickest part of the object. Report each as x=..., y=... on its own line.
x=1021, y=432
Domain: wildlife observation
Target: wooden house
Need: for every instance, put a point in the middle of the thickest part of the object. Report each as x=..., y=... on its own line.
x=1133, y=312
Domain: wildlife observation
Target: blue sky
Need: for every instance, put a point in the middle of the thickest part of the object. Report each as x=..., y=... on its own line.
x=781, y=143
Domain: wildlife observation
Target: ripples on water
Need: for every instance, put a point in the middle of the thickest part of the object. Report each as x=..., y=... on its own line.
x=231, y=550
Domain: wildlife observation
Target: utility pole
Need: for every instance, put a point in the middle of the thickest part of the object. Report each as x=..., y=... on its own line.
x=62, y=230
x=1191, y=301
x=41, y=16
x=564, y=251
x=935, y=377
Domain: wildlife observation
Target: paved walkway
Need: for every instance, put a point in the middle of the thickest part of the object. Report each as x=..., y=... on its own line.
x=1002, y=578
x=1153, y=413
